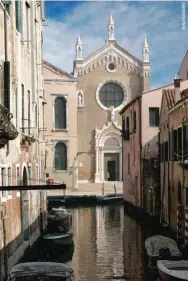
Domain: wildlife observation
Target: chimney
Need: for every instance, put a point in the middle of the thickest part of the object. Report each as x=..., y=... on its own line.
x=177, y=89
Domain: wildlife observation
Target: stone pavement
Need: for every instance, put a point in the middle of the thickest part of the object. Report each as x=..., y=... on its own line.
x=90, y=189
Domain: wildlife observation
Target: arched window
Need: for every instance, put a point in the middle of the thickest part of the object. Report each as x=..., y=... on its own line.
x=60, y=159
x=60, y=113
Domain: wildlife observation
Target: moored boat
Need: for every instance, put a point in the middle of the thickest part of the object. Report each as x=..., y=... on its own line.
x=37, y=271
x=173, y=270
x=59, y=238
x=159, y=246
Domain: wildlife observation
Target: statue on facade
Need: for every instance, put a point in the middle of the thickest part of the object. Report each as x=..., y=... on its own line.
x=96, y=132
x=79, y=99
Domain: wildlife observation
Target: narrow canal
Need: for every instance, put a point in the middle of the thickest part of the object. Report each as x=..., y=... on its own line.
x=108, y=244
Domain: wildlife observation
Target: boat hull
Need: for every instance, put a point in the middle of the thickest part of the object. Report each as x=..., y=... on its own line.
x=165, y=277
x=173, y=270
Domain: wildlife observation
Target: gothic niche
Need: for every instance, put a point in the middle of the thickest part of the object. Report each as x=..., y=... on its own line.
x=80, y=99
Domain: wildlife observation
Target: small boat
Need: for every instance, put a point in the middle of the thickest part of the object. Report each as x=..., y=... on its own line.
x=37, y=271
x=59, y=238
x=159, y=246
x=173, y=270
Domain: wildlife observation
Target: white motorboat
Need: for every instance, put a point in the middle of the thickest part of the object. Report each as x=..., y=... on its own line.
x=37, y=271
x=173, y=270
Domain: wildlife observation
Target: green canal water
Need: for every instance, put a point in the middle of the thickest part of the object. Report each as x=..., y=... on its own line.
x=108, y=245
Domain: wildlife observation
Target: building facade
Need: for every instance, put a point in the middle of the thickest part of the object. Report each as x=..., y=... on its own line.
x=183, y=71
x=21, y=159
x=108, y=79
x=140, y=119
x=173, y=142
x=60, y=124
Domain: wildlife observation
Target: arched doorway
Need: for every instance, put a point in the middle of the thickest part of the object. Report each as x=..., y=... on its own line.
x=25, y=206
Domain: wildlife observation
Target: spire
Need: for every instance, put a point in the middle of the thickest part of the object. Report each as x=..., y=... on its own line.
x=145, y=41
x=78, y=42
x=79, y=48
x=111, y=29
x=145, y=50
x=111, y=20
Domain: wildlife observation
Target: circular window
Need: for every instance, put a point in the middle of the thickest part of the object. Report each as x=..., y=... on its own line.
x=111, y=66
x=111, y=94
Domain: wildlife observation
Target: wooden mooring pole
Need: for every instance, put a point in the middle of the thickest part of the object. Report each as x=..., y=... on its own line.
x=179, y=222
x=186, y=224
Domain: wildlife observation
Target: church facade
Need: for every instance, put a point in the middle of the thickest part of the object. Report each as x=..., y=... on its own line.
x=103, y=83
x=107, y=80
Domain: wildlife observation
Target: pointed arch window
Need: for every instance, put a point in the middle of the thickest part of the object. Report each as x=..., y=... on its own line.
x=60, y=113
x=60, y=156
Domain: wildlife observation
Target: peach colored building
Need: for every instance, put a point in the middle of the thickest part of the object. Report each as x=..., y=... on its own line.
x=60, y=122
x=173, y=142
x=140, y=120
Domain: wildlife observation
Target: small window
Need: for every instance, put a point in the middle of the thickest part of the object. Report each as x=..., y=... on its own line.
x=174, y=151
x=127, y=124
x=3, y=180
x=179, y=137
x=128, y=159
x=154, y=116
x=134, y=121
x=166, y=151
x=18, y=175
x=9, y=180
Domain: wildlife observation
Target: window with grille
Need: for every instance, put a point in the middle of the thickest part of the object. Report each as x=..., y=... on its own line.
x=60, y=113
x=60, y=158
x=111, y=94
x=154, y=116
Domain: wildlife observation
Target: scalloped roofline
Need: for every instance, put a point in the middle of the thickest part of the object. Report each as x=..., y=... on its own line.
x=99, y=50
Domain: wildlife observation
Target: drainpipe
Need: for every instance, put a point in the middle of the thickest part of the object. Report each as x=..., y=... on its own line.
x=168, y=186
x=140, y=139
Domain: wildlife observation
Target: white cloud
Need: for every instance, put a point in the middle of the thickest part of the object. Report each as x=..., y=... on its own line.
x=163, y=26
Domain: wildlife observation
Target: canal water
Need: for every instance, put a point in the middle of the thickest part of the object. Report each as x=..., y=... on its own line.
x=108, y=245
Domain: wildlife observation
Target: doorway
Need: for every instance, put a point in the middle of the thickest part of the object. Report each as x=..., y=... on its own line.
x=111, y=167
x=25, y=206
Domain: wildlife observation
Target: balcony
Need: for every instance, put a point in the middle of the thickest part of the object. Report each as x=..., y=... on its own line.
x=7, y=130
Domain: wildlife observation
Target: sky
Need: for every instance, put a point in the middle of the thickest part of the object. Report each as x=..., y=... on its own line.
x=161, y=21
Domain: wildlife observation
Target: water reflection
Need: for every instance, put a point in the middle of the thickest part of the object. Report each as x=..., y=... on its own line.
x=108, y=243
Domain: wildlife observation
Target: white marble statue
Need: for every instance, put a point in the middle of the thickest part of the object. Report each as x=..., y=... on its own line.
x=79, y=99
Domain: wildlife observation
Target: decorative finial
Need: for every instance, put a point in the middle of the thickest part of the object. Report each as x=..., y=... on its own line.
x=111, y=29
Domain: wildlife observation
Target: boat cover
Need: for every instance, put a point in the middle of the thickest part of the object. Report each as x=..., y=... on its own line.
x=155, y=243
x=45, y=268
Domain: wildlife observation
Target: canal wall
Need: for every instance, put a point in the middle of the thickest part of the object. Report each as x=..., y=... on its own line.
x=143, y=218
